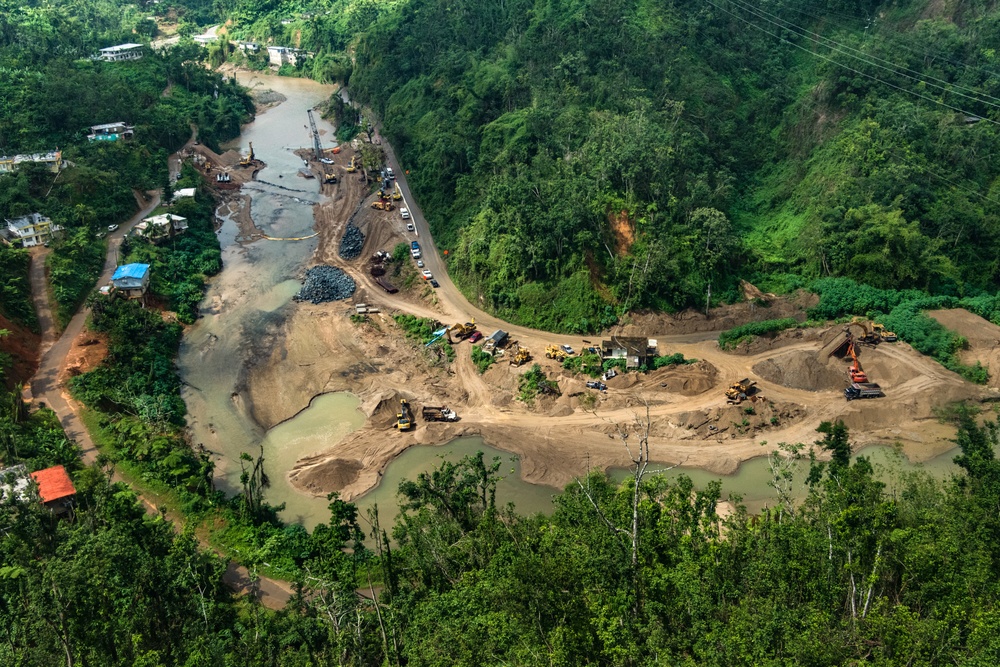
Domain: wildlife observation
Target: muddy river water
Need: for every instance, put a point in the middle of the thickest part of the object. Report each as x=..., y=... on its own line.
x=244, y=304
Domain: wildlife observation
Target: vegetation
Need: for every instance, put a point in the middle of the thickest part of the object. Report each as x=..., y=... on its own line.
x=420, y=329
x=587, y=362
x=675, y=359
x=482, y=359
x=730, y=338
x=15, y=287
x=533, y=382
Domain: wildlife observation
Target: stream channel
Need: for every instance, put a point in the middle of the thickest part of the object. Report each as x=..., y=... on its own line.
x=244, y=302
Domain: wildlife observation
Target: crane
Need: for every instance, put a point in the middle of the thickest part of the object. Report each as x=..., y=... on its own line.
x=315, y=133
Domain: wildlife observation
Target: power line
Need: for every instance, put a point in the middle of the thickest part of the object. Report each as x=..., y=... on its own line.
x=848, y=67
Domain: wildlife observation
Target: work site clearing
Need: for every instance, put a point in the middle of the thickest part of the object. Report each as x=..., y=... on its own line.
x=798, y=377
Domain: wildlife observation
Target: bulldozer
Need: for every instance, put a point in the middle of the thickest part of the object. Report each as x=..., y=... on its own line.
x=352, y=167
x=249, y=159
x=555, y=352
x=518, y=355
x=404, y=418
x=741, y=391
x=462, y=331
x=383, y=205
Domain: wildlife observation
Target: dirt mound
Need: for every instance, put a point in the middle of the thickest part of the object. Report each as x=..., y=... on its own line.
x=686, y=380
x=983, y=337
x=802, y=369
x=331, y=475
x=738, y=421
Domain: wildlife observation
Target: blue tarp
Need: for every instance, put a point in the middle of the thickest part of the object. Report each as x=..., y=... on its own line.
x=137, y=271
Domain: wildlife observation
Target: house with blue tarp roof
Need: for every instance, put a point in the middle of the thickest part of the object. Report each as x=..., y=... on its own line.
x=132, y=280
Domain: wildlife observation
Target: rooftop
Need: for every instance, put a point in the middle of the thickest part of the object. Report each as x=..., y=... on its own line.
x=137, y=271
x=53, y=483
x=106, y=126
x=121, y=47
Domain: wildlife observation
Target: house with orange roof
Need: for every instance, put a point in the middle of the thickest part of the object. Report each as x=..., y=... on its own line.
x=55, y=488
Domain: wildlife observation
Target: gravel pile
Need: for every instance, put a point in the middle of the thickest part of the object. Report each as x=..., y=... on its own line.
x=325, y=283
x=350, y=245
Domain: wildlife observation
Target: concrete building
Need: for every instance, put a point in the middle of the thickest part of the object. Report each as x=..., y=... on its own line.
x=55, y=488
x=283, y=55
x=132, y=280
x=32, y=230
x=111, y=132
x=114, y=54
x=636, y=351
x=247, y=47
x=206, y=39
x=53, y=160
x=160, y=226
x=182, y=193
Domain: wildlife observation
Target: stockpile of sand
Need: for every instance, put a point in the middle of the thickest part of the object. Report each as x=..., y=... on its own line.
x=685, y=379
x=802, y=369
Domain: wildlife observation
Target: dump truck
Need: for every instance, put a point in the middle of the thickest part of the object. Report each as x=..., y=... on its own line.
x=519, y=355
x=740, y=391
x=433, y=413
x=555, y=352
x=863, y=390
x=404, y=419
x=462, y=331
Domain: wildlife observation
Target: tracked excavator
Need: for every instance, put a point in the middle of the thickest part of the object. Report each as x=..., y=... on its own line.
x=404, y=418
x=353, y=167
x=397, y=194
x=462, y=331
x=249, y=159
x=854, y=370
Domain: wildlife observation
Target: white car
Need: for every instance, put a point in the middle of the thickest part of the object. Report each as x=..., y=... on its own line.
x=388, y=172
x=112, y=228
x=410, y=227
x=426, y=274
x=324, y=160
x=405, y=212
x=420, y=263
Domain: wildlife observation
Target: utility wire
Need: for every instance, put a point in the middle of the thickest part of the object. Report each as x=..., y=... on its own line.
x=846, y=50
x=848, y=67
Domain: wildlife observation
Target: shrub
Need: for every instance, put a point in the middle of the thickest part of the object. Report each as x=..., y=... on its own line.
x=675, y=359
x=533, y=382
x=731, y=338
x=482, y=360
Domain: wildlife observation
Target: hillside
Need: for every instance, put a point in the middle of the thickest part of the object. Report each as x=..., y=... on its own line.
x=580, y=159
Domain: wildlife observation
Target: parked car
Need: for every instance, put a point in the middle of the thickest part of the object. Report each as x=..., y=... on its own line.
x=410, y=227
x=426, y=274
x=326, y=160
x=597, y=384
x=388, y=172
x=112, y=228
x=567, y=349
x=405, y=212
x=435, y=284
x=476, y=336
x=420, y=263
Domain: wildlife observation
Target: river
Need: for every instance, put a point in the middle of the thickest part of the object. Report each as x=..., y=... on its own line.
x=245, y=301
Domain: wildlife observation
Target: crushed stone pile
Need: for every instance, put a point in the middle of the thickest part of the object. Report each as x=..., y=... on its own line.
x=326, y=283
x=353, y=241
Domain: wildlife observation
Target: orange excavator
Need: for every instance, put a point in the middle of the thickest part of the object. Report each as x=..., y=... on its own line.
x=855, y=370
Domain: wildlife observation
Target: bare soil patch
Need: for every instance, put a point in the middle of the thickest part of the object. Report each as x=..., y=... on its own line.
x=983, y=337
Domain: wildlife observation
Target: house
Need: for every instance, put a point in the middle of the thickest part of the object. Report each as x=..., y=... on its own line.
x=114, y=54
x=53, y=160
x=159, y=226
x=183, y=192
x=496, y=340
x=111, y=132
x=55, y=488
x=206, y=39
x=132, y=280
x=32, y=230
x=283, y=55
x=636, y=351
x=247, y=47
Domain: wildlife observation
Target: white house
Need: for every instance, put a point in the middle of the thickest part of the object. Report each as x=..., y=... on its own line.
x=32, y=230
x=53, y=160
x=158, y=226
x=206, y=39
x=114, y=54
x=182, y=193
x=131, y=279
x=282, y=55
x=110, y=132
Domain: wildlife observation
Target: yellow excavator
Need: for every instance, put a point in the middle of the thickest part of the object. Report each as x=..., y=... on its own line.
x=397, y=193
x=353, y=167
x=462, y=331
x=883, y=333
x=555, y=352
x=518, y=355
x=404, y=419
x=249, y=159
x=329, y=178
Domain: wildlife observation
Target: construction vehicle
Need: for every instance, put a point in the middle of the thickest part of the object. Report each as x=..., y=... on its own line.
x=740, y=391
x=397, y=194
x=249, y=159
x=383, y=205
x=353, y=166
x=518, y=355
x=883, y=333
x=315, y=135
x=329, y=178
x=854, y=370
x=404, y=419
x=432, y=413
x=462, y=331
x=862, y=390
x=555, y=352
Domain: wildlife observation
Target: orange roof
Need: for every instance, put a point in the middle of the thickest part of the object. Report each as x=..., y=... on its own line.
x=53, y=483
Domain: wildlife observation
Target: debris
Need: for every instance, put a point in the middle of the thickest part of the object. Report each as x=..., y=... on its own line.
x=325, y=283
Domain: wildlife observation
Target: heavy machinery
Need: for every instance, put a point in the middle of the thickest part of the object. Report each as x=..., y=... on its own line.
x=353, y=166
x=404, y=418
x=741, y=391
x=462, y=331
x=383, y=205
x=329, y=178
x=854, y=370
x=555, y=352
x=249, y=159
x=883, y=333
x=397, y=194
x=432, y=413
x=315, y=134
x=518, y=355
x=862, y=390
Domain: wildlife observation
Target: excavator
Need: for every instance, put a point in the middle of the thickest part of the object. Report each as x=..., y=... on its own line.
x=329, y=178
x=555, y=352
x=884, y=334
x=353, y=167
x=854, y=370
x=249, y=159
x=518, y=355
x=396, y=193
x=462, y=331
x=404, y=419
